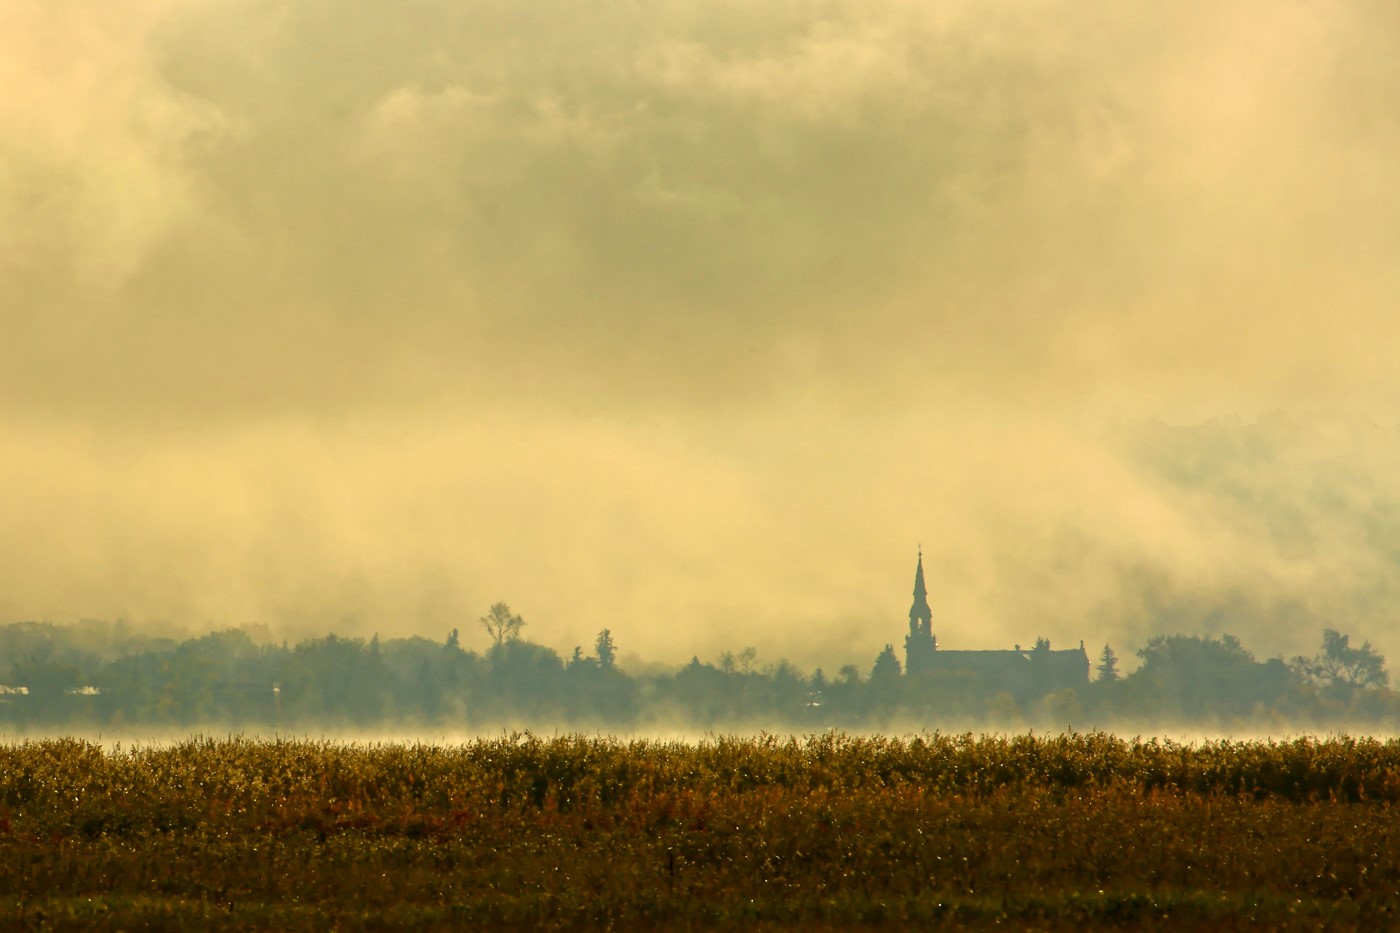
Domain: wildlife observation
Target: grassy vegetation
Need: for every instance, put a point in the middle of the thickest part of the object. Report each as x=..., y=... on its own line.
x=1053, y=833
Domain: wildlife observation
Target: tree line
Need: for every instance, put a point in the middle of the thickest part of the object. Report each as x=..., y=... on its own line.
x=105, y=677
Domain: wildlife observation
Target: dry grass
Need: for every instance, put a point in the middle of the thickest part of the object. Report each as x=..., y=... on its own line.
x=1052, y=833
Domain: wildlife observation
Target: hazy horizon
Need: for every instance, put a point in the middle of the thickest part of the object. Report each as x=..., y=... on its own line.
x=694, y=321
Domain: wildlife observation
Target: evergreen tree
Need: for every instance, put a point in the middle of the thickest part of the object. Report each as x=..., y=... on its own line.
x=882, y=691
x=1108, y=665
x=816, y=690
x=606, y=650
x=886, y=667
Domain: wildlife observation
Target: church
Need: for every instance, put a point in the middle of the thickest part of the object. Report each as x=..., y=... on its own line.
x=1020, y=672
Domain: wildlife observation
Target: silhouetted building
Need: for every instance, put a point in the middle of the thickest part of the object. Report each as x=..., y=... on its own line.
x=1020, y=672
x=920, y=645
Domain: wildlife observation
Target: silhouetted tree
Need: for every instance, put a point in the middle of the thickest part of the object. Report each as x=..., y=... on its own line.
x=605, y=649
x=886, y=669
x=525, y=678
x=1341, y=668
x=741, y=663
x=46, y=678
x=779, y=690
x=883, y=689
x=1108, y=665
x=1193, y=676
x=705, y=691
x=501, y=624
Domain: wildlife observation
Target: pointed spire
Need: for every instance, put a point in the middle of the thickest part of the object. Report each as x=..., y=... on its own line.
x=920, y=645
x=920, y=609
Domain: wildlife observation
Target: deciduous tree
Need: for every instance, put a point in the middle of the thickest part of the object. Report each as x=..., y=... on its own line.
x=501, y=624
x=1341, y=668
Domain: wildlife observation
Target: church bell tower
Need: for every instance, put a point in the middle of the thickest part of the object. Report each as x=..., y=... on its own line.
x=919, y=644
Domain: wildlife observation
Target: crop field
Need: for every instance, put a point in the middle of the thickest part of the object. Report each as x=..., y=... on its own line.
x=818, y=833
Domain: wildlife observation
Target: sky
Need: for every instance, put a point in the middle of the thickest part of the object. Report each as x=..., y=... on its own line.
x=696, y=320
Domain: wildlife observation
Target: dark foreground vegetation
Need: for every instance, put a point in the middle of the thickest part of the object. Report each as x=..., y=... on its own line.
x=830, y=831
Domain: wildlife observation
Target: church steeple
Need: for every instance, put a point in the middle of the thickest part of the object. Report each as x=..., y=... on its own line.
x=919, y=611
x=919, y=644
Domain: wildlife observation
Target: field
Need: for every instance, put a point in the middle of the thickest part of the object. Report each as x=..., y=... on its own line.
x=829, y=831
